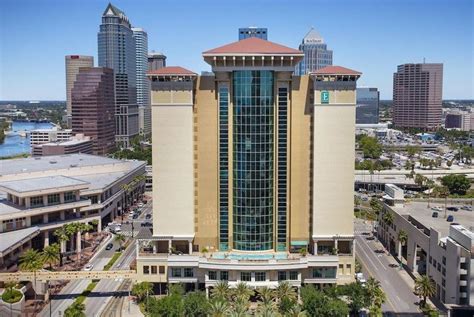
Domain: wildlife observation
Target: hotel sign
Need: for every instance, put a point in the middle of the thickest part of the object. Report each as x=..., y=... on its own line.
x=324, y=96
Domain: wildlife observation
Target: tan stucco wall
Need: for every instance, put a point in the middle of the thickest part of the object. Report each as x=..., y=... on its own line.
x=333, y=167
x=300, y=159
x=173, y=179
x=206, y=135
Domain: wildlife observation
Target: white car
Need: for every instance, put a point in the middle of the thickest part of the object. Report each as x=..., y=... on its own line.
x=140, y=205
x=88, y=267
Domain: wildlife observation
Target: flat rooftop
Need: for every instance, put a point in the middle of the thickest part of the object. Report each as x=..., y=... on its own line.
x=41, y=183
x=56, y=162
x=423, y=214
x=99, y=181
x=9, y=239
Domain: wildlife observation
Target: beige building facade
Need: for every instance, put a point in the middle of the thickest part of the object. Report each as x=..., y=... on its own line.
x=252, y=171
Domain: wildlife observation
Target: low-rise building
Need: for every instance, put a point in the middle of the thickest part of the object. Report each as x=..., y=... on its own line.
x=441, y=249
x=40, y=194
x=41, y=136
x=77, y=144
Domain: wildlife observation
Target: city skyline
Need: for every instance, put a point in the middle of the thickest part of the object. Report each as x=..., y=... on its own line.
x=430, y=32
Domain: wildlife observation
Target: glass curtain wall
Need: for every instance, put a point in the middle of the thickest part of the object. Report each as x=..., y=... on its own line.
x=253, y=152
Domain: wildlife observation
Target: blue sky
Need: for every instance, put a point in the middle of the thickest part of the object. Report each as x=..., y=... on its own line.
x=372, y=36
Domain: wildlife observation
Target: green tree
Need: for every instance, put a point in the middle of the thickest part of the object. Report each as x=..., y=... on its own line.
x=120, y=238
x=221, y=291
x=219, y=308
x=142, y=290
x=316, y=303
x=31, y=261
x=442, y=192
x=51, y=254
x=376, y=296
x=370, y=147
x=388, y=217
x=376, y=205
x=456, y=183
x=424, y=287
x=357, y=296
x=63, y=237
x=75, y=310
x=412, y=150
x=267, y=310
x=402, y=237
x=266, y=295
x=196, y=304
x=285, y=290
x=243, y=291
x=169, y=306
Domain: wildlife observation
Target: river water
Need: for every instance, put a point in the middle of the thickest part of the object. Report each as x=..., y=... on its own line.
x=14, y=144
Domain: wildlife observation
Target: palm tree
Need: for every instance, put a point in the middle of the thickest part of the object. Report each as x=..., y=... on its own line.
x=51, y=254
x=375, y=293
x=388, y=217
x=442, y=192
x=240, y=308
x=120, y=238
x=62, y=237
x=297, y=311
x=31, y=261
x=221, y=291
x=285, y=290
x=266, y=295
x=242, y=291
x=219, y=308
x=402, y=239
x=424, y=287
x=267, y=310
x=142, y=290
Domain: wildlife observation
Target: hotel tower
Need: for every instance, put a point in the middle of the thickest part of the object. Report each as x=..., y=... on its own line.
x=253, y=171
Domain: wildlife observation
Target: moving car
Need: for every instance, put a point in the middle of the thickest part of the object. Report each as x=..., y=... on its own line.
x=450, y=218
x=88, y=267
x=109, y=246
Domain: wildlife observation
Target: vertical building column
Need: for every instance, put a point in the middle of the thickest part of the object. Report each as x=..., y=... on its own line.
x=46, y=238
x=190, y=247
x=45, y=218
x=99, y=225
x=62, y=215
x=315, y=247
x=170, y=245
x=78, y=241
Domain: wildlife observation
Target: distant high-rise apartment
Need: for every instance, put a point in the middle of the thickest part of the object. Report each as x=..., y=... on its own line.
x=367, y=109
x=93, y=107
x=117, y=51
x=252, y=31
x=140, y=38
x=73, y=63
x=316, y=53
x=418, y=96
x=260, y=198
x=156, y=61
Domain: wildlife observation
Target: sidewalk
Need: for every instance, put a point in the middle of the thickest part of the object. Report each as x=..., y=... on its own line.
x=129, y=303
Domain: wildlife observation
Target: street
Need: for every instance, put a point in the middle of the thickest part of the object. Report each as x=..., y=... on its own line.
x=396, y=283
x=104, y=290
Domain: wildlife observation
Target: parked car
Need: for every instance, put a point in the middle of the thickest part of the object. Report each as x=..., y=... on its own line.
x=361, y=278
x=468, y=208
x=146, y=224
x=148, y=216
x=450, y=218
x=135, y=216
x=452, y=208
x=434, y=214
x=88, y=267
x=109, y=246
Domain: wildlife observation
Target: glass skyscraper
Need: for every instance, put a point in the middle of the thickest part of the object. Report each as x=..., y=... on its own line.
x=367, y=108
x=252, y=31
x=316, y=54
x=140, y=38
x=117, y=51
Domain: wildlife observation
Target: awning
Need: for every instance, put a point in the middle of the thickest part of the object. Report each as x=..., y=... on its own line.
x=299, y=243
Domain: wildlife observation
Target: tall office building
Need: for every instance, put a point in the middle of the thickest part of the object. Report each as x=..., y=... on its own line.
x=253, y=172
x=117, y=51
x=316, y=53
x=253, y=31
x=156, y=61
x=140, y=38
x=418, y=96
x=367, y=109
x=73, y=63
x=93, y=107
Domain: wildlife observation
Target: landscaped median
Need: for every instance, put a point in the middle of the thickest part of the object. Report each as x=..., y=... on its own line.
x=78, y=303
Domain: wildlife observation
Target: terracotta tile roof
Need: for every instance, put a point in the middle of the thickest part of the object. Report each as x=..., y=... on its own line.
x=337, y=70
x=252, y=45
x=172, y=70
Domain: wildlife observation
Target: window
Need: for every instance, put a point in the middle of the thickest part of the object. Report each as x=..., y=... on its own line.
x=444, y=271
x=324, y=272
x=294, y=275
x=146, y=269
x=282, y=275
x=260, y=276
x=444, y=260
x=175, y=272
x=153, y=269
x=212, y=275
x=439, y=267
x=162, y=269
x=223, y=167
x=245, y=276
x=69, y=196
x=36, y=201
x=443, y=282
x=224, y=275
x=53, y=199
x=188, y=272
x=431, y=259
x=348, y=268
x=434, y=263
